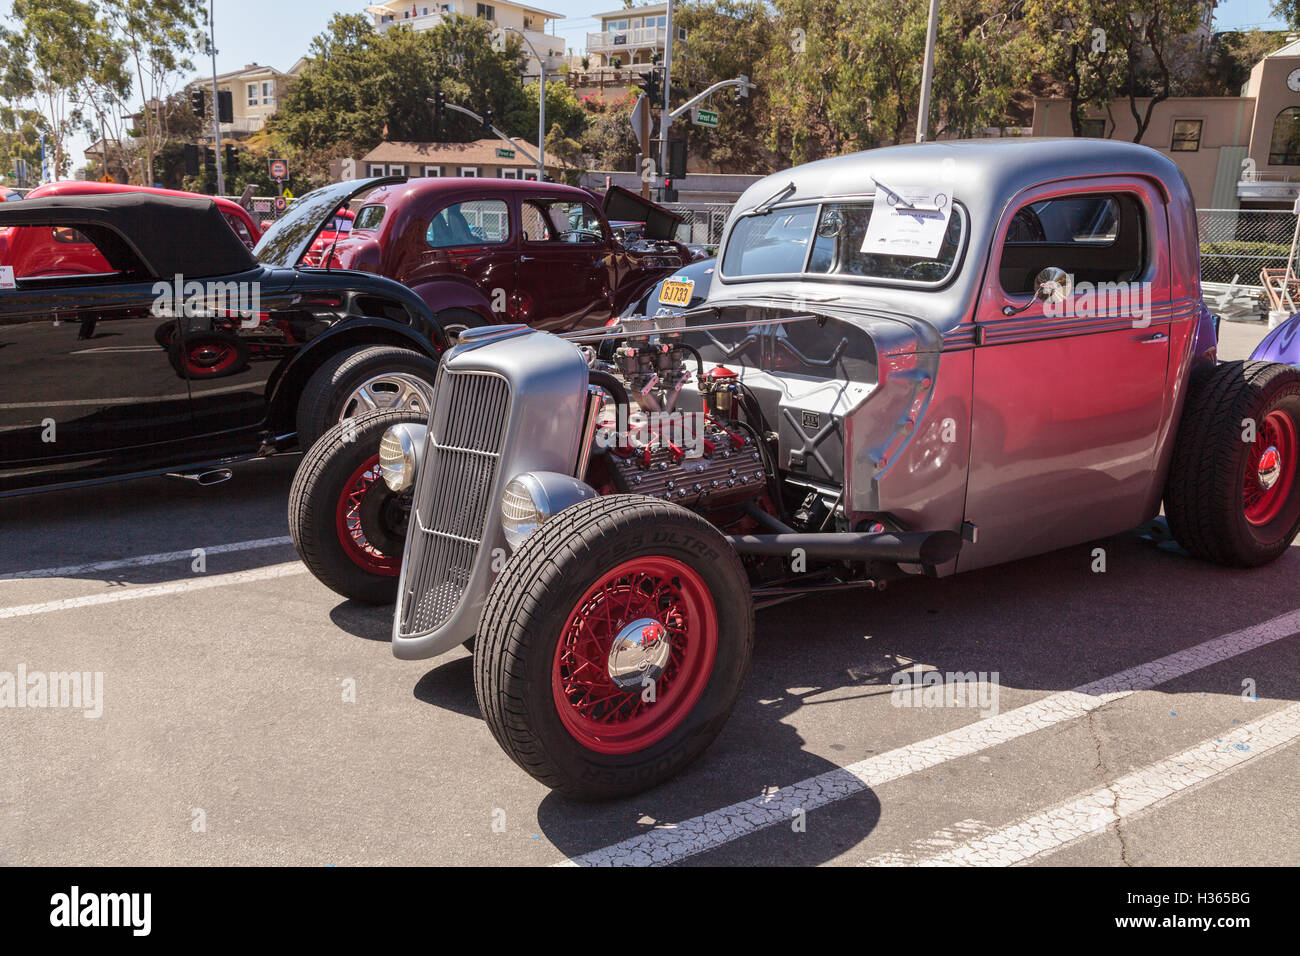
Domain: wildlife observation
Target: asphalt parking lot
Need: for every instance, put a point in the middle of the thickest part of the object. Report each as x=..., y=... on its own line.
x=1147, y=714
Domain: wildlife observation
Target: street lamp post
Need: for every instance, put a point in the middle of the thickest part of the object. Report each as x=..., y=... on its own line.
x=541, y=106
x=216, y=105
x=927, y=74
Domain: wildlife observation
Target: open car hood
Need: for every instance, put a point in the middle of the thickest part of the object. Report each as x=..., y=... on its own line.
x=290, y=236
x=622, y=204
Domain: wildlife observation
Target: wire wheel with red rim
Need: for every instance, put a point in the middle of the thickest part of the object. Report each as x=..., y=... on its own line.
x=613, y=645
x=364, y=495
x=1270, y=468
x=349, y=527
x=612, y=717
x=1232, y=496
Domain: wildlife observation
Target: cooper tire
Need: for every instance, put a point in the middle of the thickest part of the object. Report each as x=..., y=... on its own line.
x=346, y=524
x=542, y=704
x=331, y=393
x=1229, y=499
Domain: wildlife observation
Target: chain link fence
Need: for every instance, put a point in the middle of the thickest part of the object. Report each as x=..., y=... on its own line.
x=701, y=222
x=1240, y=242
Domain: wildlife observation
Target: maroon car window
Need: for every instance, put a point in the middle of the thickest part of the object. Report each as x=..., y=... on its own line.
x=477, y=222
x=368, y=217
x=1097, y=237
x=555, y=220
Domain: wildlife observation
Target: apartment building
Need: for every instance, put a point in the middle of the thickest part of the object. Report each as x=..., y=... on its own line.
x=629, y=37
x=535, y=24
x=1236, y=151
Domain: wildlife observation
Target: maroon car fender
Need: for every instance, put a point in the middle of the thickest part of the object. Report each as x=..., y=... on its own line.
x=455, y=292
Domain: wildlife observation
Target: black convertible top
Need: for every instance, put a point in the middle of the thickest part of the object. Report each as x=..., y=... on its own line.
x=160, y=236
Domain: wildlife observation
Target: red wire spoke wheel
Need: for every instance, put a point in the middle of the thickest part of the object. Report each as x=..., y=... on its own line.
x=365, y=481
x=1270, y=469
x=613, y=719
x=347, y=525
x=613, y=645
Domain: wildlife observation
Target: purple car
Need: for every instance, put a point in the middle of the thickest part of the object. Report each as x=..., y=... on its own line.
x=1282, y=344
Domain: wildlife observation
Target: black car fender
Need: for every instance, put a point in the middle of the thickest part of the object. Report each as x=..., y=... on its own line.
x=284, y=387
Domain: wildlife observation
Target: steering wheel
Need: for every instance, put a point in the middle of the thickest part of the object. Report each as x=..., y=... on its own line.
x=925, y=271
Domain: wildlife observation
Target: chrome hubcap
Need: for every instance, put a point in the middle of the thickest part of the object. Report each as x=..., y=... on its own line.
x=391, y=390
x=1270, y=467
x=640, y=651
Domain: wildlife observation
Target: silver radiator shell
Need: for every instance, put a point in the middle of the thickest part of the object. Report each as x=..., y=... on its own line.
x=510, y=402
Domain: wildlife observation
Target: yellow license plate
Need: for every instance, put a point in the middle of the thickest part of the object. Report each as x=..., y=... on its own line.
x=677, y=292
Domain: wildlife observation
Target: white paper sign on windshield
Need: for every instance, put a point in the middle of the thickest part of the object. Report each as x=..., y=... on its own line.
x=910, y=221
x=7, y=278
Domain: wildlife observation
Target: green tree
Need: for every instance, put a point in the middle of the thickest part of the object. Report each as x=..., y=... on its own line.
x=725, y=39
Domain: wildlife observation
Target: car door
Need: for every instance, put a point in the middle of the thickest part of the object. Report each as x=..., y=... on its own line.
x=87, y=386
x=470, y=242
x=563, y=277
x=1069, y=397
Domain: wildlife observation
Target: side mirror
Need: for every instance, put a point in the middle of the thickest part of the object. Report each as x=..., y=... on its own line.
x=1050, y=285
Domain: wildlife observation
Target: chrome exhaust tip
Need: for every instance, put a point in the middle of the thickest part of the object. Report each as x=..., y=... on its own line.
x=205, y=478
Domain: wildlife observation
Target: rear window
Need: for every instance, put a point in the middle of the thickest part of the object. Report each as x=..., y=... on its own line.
x=828, y=239
x=369, y=217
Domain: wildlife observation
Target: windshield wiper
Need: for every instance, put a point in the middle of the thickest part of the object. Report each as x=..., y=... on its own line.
x=771, y=201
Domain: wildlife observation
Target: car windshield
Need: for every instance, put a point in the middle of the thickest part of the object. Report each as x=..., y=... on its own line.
x=829, y=239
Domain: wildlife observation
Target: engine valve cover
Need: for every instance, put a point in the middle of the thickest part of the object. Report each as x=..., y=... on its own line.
x=730, y=471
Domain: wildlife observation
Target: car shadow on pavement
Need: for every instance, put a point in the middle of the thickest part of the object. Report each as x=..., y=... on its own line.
x=1044, y=625
x=372, y=622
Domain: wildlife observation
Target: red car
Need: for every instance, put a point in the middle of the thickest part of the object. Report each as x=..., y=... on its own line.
x=483, y=251
x=334, y=231
x=35, y=251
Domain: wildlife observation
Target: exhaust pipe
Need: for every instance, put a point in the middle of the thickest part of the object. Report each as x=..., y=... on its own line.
x=205, y=478
x=930, y=548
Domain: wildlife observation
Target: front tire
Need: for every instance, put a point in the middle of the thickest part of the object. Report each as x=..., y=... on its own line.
x=1233, y=496
x=349, y=528
x=619, y=566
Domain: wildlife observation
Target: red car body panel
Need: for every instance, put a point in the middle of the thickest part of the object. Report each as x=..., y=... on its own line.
x=36, y=251
x=550, y=284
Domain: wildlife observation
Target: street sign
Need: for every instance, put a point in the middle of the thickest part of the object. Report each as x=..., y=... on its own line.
x=106, y=178
x=503, y=153
x=286, y=194
x=637, y=112
x=279, y=170
x=281, y=204
x=705, y=118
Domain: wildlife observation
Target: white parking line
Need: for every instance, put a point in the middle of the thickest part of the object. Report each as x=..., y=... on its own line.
x=157, y=590
x=141, y=560
x=1056, y=828
x=712, y=830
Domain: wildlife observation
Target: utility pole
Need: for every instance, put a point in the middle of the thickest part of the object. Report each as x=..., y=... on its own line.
x=216, y=103
x=927, y=74
x=665, y=118
x=541, y=106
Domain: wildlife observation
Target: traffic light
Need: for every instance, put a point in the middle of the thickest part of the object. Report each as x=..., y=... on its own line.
x=191, y=160
x=677, y=158
x=198, y=101
x=669, y=194
x=231, y=159
x=439, y=104
x=487, y=123
x=209, y=160
x=225, y=106
x=650, y=83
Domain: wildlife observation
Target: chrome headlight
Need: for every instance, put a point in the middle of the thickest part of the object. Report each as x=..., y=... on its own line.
x=399, y=455
x=533, y=498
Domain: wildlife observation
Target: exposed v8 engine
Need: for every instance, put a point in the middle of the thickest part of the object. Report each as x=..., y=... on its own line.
x=686, y=448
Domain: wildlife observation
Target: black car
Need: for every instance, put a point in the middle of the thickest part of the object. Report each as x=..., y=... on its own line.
x=191, y=351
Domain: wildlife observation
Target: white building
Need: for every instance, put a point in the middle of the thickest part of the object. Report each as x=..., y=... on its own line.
x=535, y=24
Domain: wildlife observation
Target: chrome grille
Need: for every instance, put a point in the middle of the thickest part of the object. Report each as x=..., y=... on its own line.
x=454, y=495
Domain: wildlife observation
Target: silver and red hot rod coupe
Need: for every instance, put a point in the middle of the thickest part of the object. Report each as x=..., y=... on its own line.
x=911, y=361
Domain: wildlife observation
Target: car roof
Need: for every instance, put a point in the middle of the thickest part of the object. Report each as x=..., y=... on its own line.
x=164, y=235
x=78, y=187
x=981, y=173
x=417, y=188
